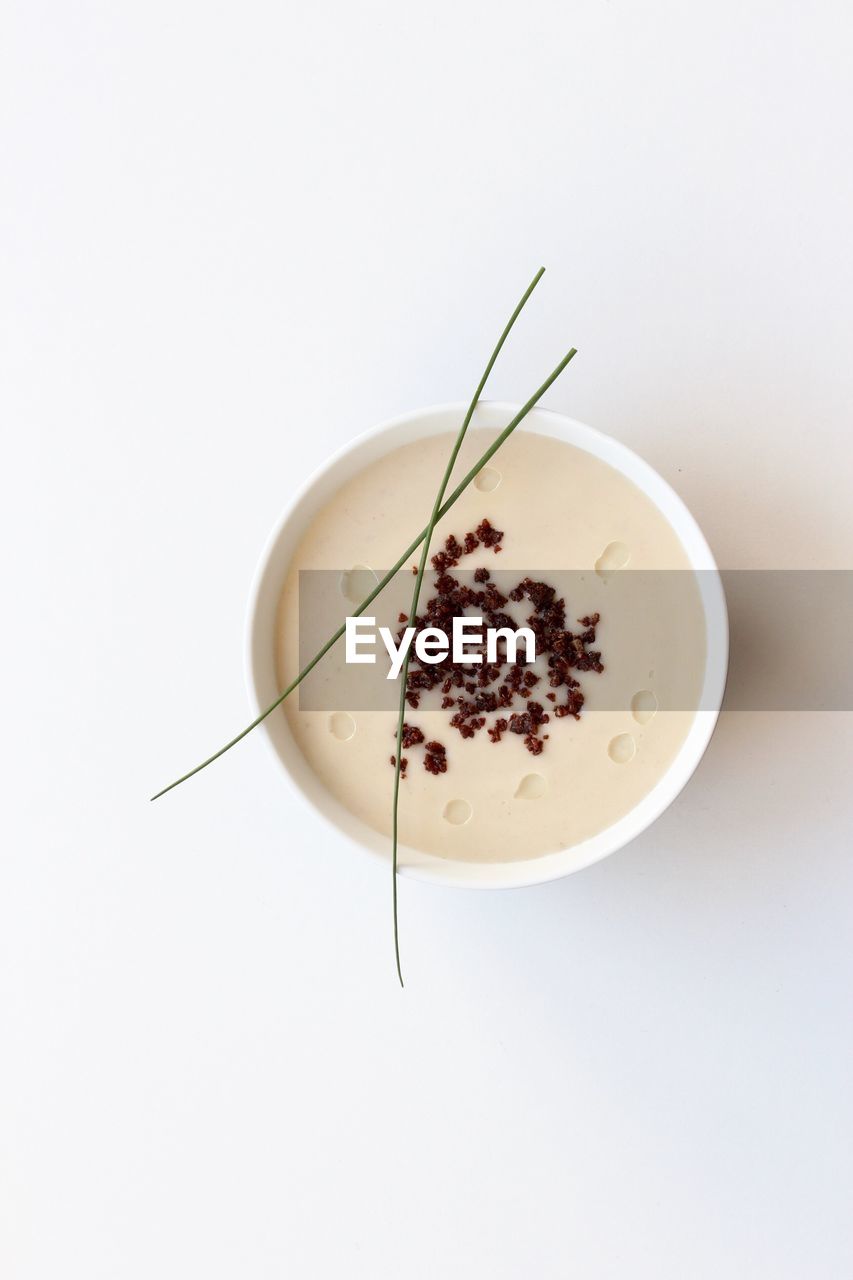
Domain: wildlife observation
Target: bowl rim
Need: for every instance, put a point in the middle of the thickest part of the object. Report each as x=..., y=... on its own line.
x=550, y=866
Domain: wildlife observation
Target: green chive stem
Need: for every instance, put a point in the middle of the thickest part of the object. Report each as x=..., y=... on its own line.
x=413, y=610
x=383, y=583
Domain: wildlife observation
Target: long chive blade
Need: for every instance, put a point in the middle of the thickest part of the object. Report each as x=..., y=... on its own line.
x=425, y=545
x=383, y=583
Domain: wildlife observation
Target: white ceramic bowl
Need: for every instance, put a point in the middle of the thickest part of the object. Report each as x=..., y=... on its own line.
x=269, y=580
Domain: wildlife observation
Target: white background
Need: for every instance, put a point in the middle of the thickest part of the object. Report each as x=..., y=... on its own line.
x=234, y=236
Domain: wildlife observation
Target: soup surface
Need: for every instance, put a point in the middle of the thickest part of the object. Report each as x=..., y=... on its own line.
x=570, y=520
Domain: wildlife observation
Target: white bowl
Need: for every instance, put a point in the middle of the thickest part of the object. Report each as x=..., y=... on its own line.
x=269, y=580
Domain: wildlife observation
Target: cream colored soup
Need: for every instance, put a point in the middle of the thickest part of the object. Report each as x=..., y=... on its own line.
x=561, y=509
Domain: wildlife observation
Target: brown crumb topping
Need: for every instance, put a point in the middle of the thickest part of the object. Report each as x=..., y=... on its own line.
x=478, y=694
x=412, y=735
